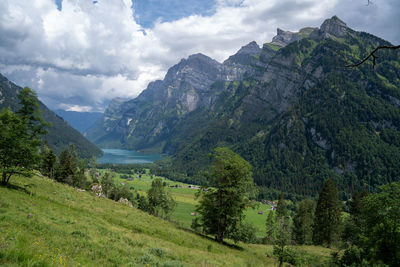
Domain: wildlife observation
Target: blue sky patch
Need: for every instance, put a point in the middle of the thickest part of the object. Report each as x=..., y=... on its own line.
x=59, y=4
x=148, y=11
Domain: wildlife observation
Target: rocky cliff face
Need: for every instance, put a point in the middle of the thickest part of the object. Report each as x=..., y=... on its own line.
x=187, y=86
x=283, y=38
x=196, y=82
x=335, y=27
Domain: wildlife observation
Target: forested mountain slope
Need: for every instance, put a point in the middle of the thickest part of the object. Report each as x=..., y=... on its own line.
x=291, y=108
x=60, y=134
x=81, y=121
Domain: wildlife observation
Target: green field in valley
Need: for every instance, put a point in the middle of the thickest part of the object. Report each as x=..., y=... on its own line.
x=186, y=202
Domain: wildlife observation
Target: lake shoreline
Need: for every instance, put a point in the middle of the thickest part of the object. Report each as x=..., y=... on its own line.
x=124, y=156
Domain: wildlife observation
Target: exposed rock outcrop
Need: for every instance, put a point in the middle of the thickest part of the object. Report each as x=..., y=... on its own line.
x=125, y=201
x=336, y=27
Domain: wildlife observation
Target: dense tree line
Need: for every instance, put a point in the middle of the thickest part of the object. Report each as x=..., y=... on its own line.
x=368, y=236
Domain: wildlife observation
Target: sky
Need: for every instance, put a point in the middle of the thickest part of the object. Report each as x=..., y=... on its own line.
x=79, y=54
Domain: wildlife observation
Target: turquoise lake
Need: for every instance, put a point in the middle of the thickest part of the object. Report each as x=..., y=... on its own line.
x=121, y=156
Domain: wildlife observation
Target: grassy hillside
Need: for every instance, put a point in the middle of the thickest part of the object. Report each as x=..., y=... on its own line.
x=44, y=223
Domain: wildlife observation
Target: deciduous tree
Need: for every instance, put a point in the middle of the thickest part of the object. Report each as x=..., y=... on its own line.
x=20, y=134
x=221, y=207
x=160, y=202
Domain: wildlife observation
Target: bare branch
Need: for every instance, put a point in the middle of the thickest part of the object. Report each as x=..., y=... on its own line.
x=374, y=57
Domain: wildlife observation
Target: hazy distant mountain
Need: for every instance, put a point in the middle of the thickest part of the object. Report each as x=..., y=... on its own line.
x=291, y=108
x=61, y=134
x=79, y=120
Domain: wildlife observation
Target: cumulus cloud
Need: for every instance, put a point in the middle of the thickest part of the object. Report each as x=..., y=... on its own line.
x=84, y=54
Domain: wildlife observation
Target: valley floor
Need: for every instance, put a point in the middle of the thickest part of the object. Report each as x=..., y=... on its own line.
x=184, y=195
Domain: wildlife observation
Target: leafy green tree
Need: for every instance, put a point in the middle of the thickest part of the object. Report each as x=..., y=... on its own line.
x=303, y=222
x=18, y=152
x=107, y=183
x=119, y=192
x=381, y=225
x=282, y=239
x=80, y=179
x=221, y=207
x=20, y=134
x=376, y=219
x=160, y=202
x=143, y=203
x=49, y=160
x=327, y=216
x=245, y=232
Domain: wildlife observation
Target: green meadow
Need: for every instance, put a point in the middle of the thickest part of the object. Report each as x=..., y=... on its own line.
x=186, y=202
x=45, y=223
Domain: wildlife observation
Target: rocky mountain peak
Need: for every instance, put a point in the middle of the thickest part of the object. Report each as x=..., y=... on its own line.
x=245, y=54
x=192, y=67
x=283, y=38
x=114, y=105
x=251, y=48
x=335, y=26
x=197, y=60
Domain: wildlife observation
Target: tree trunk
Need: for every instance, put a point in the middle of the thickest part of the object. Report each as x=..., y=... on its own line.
x=4, y=179
x=219, y=237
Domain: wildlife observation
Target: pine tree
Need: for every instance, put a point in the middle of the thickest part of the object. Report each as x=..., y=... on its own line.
x=303, y=222
x=49, y=160
x=32, y=115
x=352, y=224
x=66, y=168
x=281, y=209
x=270, y=228
x=327, y=216
x=356, y=206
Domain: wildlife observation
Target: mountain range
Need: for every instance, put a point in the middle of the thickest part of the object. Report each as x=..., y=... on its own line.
x=81, y=121
x=60, y=134
x=291, y=108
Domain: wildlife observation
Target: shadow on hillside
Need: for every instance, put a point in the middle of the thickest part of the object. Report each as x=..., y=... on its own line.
x=19, y=187
x=232, y=246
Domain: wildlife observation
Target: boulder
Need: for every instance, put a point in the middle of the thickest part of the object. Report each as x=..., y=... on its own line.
x=97, y=189
x=125, y=201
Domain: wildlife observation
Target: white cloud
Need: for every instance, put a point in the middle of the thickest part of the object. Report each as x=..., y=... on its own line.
x=84, y=55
